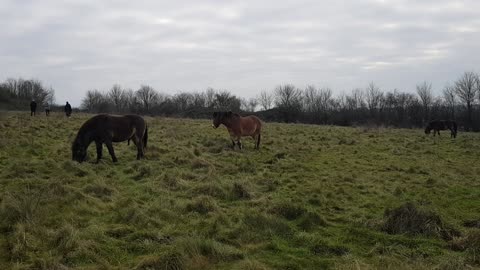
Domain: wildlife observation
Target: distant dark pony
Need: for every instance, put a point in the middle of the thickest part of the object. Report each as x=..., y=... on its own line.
x=106, y=129
x=239, y=126
x=438, y=125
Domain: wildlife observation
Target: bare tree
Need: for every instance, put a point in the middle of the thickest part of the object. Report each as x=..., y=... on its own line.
x=288, y=99
x=266, y=100
x=466, y=88
x=310, y=97
x=324, y=98
x=12, y=86
x=117, y=97
x=424, y=91
x=131, y=101
x=288, y=96
x=252, y=104
x=210, y=97
x=450, y=100
x=183, y=101
x=147, y=96
x=373, y=97
x=93, y=101
x=355, y=100
x=224, y=100
x=199, y=100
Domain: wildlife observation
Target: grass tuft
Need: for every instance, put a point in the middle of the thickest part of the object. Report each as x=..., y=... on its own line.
x=409, y=219
x=288, y=210
x=202, y=205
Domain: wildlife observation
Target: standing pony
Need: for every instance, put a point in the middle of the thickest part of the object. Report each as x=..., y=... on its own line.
x=438, y=125
x=239, y=126
x=105, y=129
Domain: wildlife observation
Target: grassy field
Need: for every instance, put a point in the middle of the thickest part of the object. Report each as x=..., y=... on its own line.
x=313, y=197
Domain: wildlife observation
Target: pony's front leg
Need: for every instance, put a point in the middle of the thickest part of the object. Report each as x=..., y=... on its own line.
x=110, y=150
x=239, y=144
x=99, y=151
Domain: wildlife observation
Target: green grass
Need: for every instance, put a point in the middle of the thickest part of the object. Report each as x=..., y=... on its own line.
x=313, y=197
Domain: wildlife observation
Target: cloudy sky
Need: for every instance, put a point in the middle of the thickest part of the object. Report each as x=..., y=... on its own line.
x=243, y=46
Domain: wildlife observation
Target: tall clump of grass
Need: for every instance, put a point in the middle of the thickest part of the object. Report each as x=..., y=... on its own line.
x=191, y=253
x=251, y=265
x=410, y=219
x=257, y=226
x=65, y=239
x=167, y=260
x=241, y=191
x=469, y=243
x=19, y=208
x=211, y=249
x=288, y=210
x=202, y=205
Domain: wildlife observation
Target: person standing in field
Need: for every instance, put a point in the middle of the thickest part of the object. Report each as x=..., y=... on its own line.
x=68, y=109
x=47, y=109
x=33, y=107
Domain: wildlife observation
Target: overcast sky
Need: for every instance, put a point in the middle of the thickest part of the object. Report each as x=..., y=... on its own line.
x=243, y=46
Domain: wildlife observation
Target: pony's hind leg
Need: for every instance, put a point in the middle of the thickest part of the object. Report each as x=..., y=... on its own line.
x=138, y=143
x=99, y=150
x=256, y=140
x=111, y=151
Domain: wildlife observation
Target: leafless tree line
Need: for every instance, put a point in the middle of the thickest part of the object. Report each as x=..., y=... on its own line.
x=459, y=100
x=19, y=92
x=146, y=100
x=372, y=105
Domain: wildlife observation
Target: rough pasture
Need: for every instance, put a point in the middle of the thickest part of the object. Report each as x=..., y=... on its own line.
x=313, y=197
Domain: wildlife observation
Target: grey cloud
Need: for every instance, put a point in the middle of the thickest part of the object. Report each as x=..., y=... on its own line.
x=243, y=46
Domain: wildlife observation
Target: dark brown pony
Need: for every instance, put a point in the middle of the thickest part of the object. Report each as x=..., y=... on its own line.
x=438, y=125
x=239, y=126
x=106, y=129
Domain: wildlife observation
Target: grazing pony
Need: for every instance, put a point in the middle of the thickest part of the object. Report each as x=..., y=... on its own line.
x=438, y=125
x=239, y=126
x=105, y=129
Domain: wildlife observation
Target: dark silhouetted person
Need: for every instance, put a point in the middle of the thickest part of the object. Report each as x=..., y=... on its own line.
x=33, y=107
x=68, y=109
x=47, y=109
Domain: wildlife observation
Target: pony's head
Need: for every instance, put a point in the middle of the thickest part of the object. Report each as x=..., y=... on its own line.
x=79, y=151
x=220, y=117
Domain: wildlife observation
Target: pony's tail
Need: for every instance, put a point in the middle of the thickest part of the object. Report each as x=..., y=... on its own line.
x=455, y=129
x=145, y=137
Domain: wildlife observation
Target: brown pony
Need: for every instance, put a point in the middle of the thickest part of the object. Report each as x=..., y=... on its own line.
x=239, y=126
x=438, y=125
x=105, y=129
